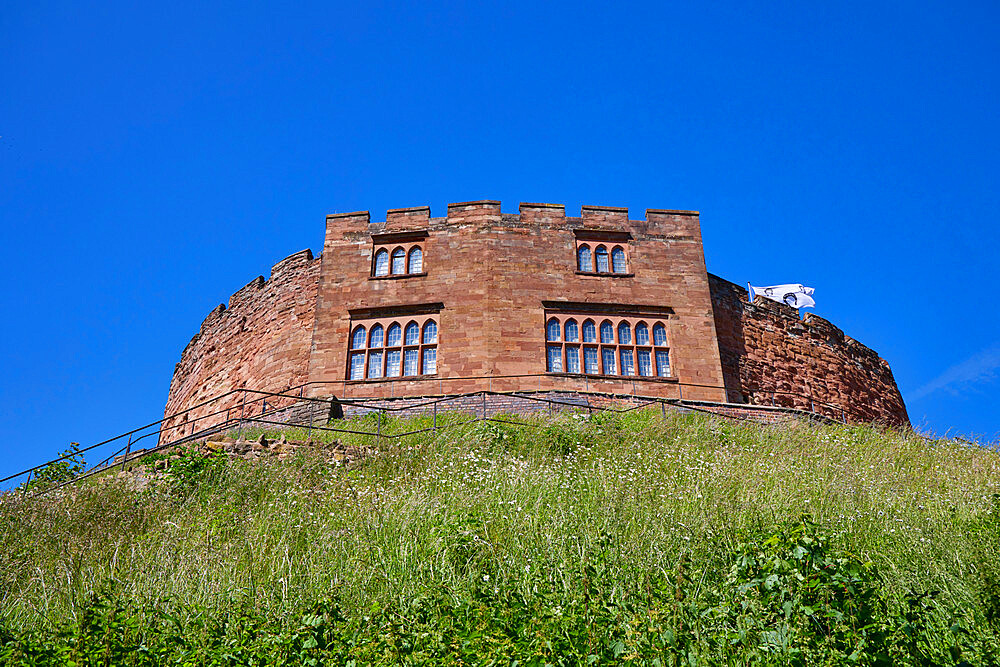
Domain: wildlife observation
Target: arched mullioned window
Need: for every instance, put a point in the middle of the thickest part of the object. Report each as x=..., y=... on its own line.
x=618, y=260
x=624, y=334
x=382, y=263
x=659, y=334
x=398, y=261
x=412, y=334
x=608, y=348
x=392, y=350
x=393, y=335
x=583, y=259
x=376, y=337
x=607, y=332
x=641, y=334
x=572, y=332
x=552, y=330
x=415, y=264
x=602, y=259
x=358, y=339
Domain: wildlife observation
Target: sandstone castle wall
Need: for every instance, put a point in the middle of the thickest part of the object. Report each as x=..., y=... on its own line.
x=491, y=281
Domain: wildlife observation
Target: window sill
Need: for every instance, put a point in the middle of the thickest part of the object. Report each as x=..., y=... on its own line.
x=605, y=275
x=589, y=376
x=398, y=276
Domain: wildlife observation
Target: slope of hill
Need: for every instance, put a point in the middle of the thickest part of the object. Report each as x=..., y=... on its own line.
x=560, y=540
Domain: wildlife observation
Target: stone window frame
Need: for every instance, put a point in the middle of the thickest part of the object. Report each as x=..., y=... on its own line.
x=578, y=360
x=402, y=246
x=368, y=352
x=611, y=243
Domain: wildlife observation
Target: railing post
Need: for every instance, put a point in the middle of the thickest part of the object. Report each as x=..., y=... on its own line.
x=243, y=405
x=378, y=430
x=663, y=408
x=128, y=448
x=484, y=405
x=680, y=391
x=435, y=415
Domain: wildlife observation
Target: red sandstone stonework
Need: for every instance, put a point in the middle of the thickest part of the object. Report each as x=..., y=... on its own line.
x=491, y=280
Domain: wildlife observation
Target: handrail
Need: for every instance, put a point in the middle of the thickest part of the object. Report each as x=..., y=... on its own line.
x=262, y=395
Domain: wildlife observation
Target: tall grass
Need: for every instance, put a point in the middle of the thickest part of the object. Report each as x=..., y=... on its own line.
x=498, y=509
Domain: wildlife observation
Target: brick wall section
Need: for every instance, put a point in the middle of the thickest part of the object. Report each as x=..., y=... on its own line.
x=496, y=274
x=261, y=341
x=766, y=348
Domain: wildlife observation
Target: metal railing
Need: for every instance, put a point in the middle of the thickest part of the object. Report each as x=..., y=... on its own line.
x=257, y=410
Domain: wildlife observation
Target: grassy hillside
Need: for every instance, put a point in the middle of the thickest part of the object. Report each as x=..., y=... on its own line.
x=570, y=540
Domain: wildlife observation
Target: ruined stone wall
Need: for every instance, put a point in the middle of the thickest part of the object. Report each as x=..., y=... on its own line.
x=260, y=341
x=766, y=350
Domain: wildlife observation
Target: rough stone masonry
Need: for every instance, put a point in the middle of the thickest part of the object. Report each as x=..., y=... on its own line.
x=636, y=313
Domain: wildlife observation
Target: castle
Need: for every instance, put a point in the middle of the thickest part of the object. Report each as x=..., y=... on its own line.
x=480, y=300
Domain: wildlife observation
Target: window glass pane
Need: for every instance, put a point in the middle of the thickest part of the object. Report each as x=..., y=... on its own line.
x=430, y=360
x=662, y=363
x=376, y=337
x=645, y=364
x=618, y=260
x=552, y=330
x=398, y=260
x=572, y=332
x=572, y=359
x=374, y=364
x=628, y=367
x=602, y=259
x=554, y=361
x=607, y=332
x=394, y=335
x=608, y=357
x=382, y=263
x=430, y=332
x=392, y=363
x=358, y=340
x=624, y=333
x=589, y=332
x=358, y=366
x=412, y=333
x=590, y=360
x=583, y=261
x=641, y=334
x=410, y=362
x=416, y=260
x=659, y=335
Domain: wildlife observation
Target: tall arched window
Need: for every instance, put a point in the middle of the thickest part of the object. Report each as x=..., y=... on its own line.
x=641, y=334
x=412, y=334
x=376, y=336
x=430, y=332
x=572, y=331
x=552, y=330
x=393, y=335
x=624, y=334
x=607, y=333
x=416, y=260
x=382, y=263
x=429, y=361
x=398, y=261
x=358, y=339
x=589, y=332
x=602, y=259
x=659, y=334
x=583, y=260
x=618, y=260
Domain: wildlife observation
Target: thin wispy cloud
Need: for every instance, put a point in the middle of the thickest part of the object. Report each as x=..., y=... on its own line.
x=981, y=367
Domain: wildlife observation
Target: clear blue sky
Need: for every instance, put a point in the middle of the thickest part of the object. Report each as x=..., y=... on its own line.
x=155, y=158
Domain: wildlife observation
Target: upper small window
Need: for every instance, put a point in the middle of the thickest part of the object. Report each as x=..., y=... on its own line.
x=398, y=261
x=552, y=330
x=416, y=261
x=602, y=259
x=618, y=260
x=382, y=263
x=583, y=260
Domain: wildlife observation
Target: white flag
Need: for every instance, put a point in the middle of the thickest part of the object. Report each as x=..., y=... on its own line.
x=796, y=296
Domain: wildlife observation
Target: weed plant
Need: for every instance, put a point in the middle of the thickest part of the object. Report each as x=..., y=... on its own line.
x=575, y=539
